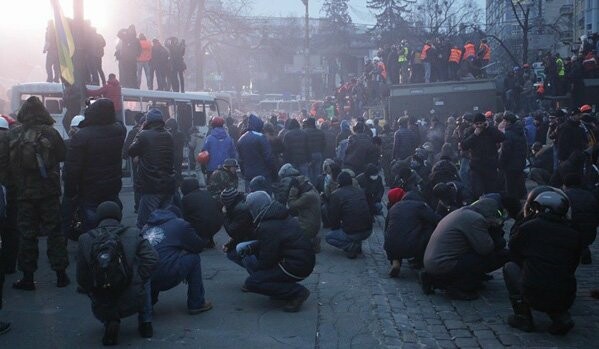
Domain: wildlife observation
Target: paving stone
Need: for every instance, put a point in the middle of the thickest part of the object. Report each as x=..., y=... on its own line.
x=460, y=333
x=484, y=334
x=491, y=344
x=466, y=343
x=455, y=325
x=446, y=344
x=509, y=339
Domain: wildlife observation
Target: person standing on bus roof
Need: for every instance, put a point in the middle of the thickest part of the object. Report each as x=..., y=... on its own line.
x=112, y=91
x=143, y=62
x=51, y=51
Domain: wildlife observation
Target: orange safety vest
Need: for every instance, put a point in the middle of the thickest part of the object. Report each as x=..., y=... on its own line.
x=487, y=50
x=455, y=55
x=469, y=51
x=382, y=69
x=424, y=52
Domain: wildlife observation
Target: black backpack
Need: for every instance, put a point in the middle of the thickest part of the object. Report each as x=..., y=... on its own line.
x=110, y=272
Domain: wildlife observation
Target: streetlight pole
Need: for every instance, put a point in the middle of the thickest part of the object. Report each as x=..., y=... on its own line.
x=307, y=75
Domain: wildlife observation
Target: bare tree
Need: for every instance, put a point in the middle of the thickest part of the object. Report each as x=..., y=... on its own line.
x=444, y=18
x=521, y=10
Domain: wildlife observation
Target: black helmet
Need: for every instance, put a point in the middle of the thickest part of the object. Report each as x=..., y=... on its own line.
x=553, y=202
x=528, y=210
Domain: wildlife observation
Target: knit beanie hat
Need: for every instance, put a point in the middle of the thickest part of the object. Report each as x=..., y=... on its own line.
x=109, y=209
x=154, y=115
x=227, y=197
x=344, y=179
x=395, y=195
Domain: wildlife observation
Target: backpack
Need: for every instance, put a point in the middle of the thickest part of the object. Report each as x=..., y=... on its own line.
x=32, y=150
x=110, y=272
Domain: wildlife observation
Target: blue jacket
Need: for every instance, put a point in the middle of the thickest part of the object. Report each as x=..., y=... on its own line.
x=220, y=147
x=172, y=237
x=255, y=156
x=530, y=130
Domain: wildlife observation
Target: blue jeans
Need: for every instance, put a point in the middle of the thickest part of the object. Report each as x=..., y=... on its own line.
x=315, y=167
x=427, y=71
x=465, y=172
x=145, y=315
x=148, y=203
x=248, y=262
x=146, y=68
x=188, y=268
x=347, y=242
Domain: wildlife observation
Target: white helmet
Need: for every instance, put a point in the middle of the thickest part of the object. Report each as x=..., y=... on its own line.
x=77, y=120
x=3, y=123
x=376, y=59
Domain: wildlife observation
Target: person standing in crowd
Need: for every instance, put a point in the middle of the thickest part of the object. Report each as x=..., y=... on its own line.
x=51, y=51
x=160, y=65
x=347, y=215
x=455, y=57
x=201, y=210
x=426, y=56
x=296, y=151
x=9, y=233
x=92, y=169
x=570, y=137
x=176, y=50
x=466, y=244
x=512, y=158
x=255, y=157
x=316, y=147
x=140, y=119
x=172, y=126
x=94, y=57
x=585, y=213
x=404, y=142
x=280, y=258
x=219, y=145
x=143, y=62
x=544, y=253
x=403, y=61
x=482, y=142
x=127, y=51
x=178, y=247
x=29, y=158
x=117, y=299
x=112, y=91
x=153, y=147
x=360, y=151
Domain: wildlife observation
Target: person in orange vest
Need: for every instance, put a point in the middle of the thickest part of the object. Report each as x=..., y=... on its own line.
x=143, y=61
x=469, y=52
x=425, y=57
x=455, y=55
x=484, y=52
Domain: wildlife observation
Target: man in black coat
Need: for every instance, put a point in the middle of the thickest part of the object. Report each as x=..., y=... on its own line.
x=201, y=210
x=153, y=148
x=92, y=169
x=570, y=137
x=585, y=213
x=512, y=159
x=544, y=252
x=482, y=142
x=316, y=147
x=238, y=222
x=281, y=257
x=348, y=215
x=361, y=151
x=410, y=223
x=405, y=141
x=296, y=151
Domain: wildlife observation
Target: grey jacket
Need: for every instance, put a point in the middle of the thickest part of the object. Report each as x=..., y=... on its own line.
x=460, y=232
x=141, y=258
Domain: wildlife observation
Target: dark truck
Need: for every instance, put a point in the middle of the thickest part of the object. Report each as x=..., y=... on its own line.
x=443, y=98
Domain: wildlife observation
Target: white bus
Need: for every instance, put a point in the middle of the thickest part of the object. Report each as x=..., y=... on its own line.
x=190, y=109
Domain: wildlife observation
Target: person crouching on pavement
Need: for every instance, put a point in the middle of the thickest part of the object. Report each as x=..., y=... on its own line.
x=117, y=290
x=304, y=202
x=544, y=252
x=281, y=257
x=201, y=210
x=349, y=216
x=465, y=245
x=178, y=246
x=238, y=223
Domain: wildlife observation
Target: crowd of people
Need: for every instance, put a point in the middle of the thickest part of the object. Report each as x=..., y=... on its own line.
x=451, y=184
x=135, y=54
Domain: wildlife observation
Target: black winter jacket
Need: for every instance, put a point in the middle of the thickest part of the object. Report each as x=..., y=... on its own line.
x=410, y=223
x=92, y=169
x=154, y=147
x=404, y=143
x=296, y=147
x=483, y=148
x=348, y=209
x=360, y=152
x=316, y=140
x=201, y=209
x=585, y=213
x=239, y=222
x=548, y=250
x=570, y=137
x=513, y=149
x=283, y=243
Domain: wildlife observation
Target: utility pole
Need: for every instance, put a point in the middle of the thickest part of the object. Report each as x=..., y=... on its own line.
x=307, y=75
x=159, y=18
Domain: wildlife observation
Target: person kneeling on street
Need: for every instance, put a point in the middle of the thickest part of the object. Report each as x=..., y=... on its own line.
x=178, y=247
x=410, y=223
x=304, y=202
x=349, y=217
x=466, y=245
x=114, y=266
x=201, y=210
x=544, y=252
x=238, y=224
x=281, y=257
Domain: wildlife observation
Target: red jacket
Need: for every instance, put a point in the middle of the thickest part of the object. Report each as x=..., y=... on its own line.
x=112, y=91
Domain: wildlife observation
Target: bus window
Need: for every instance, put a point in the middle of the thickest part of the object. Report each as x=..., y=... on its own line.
x=212, y=110
x=184, y=117
x=53, y=105
x=166, y=106
x=199, y=116
x=132, y=106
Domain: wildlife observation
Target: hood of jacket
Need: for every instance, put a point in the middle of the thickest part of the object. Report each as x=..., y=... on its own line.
x=529, y=121
x=255, y=124
x=413, y=196
x=160, y=216
x=344, y=125
x=288, y=170
x=33, y=112
x=101, y=112
x=189, y=185
x=218, y=133
x=172, y=124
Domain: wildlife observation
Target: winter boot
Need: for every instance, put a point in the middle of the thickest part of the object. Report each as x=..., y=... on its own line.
x=522, y=317
x=395, y=267
x=562, y=324
x=62, y=279
x=26, y=283
x=111, y=333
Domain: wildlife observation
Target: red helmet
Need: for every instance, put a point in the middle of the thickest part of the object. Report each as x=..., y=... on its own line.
x=586, y=108
x=489, y=114
x=203, y=157
x=217, y=122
